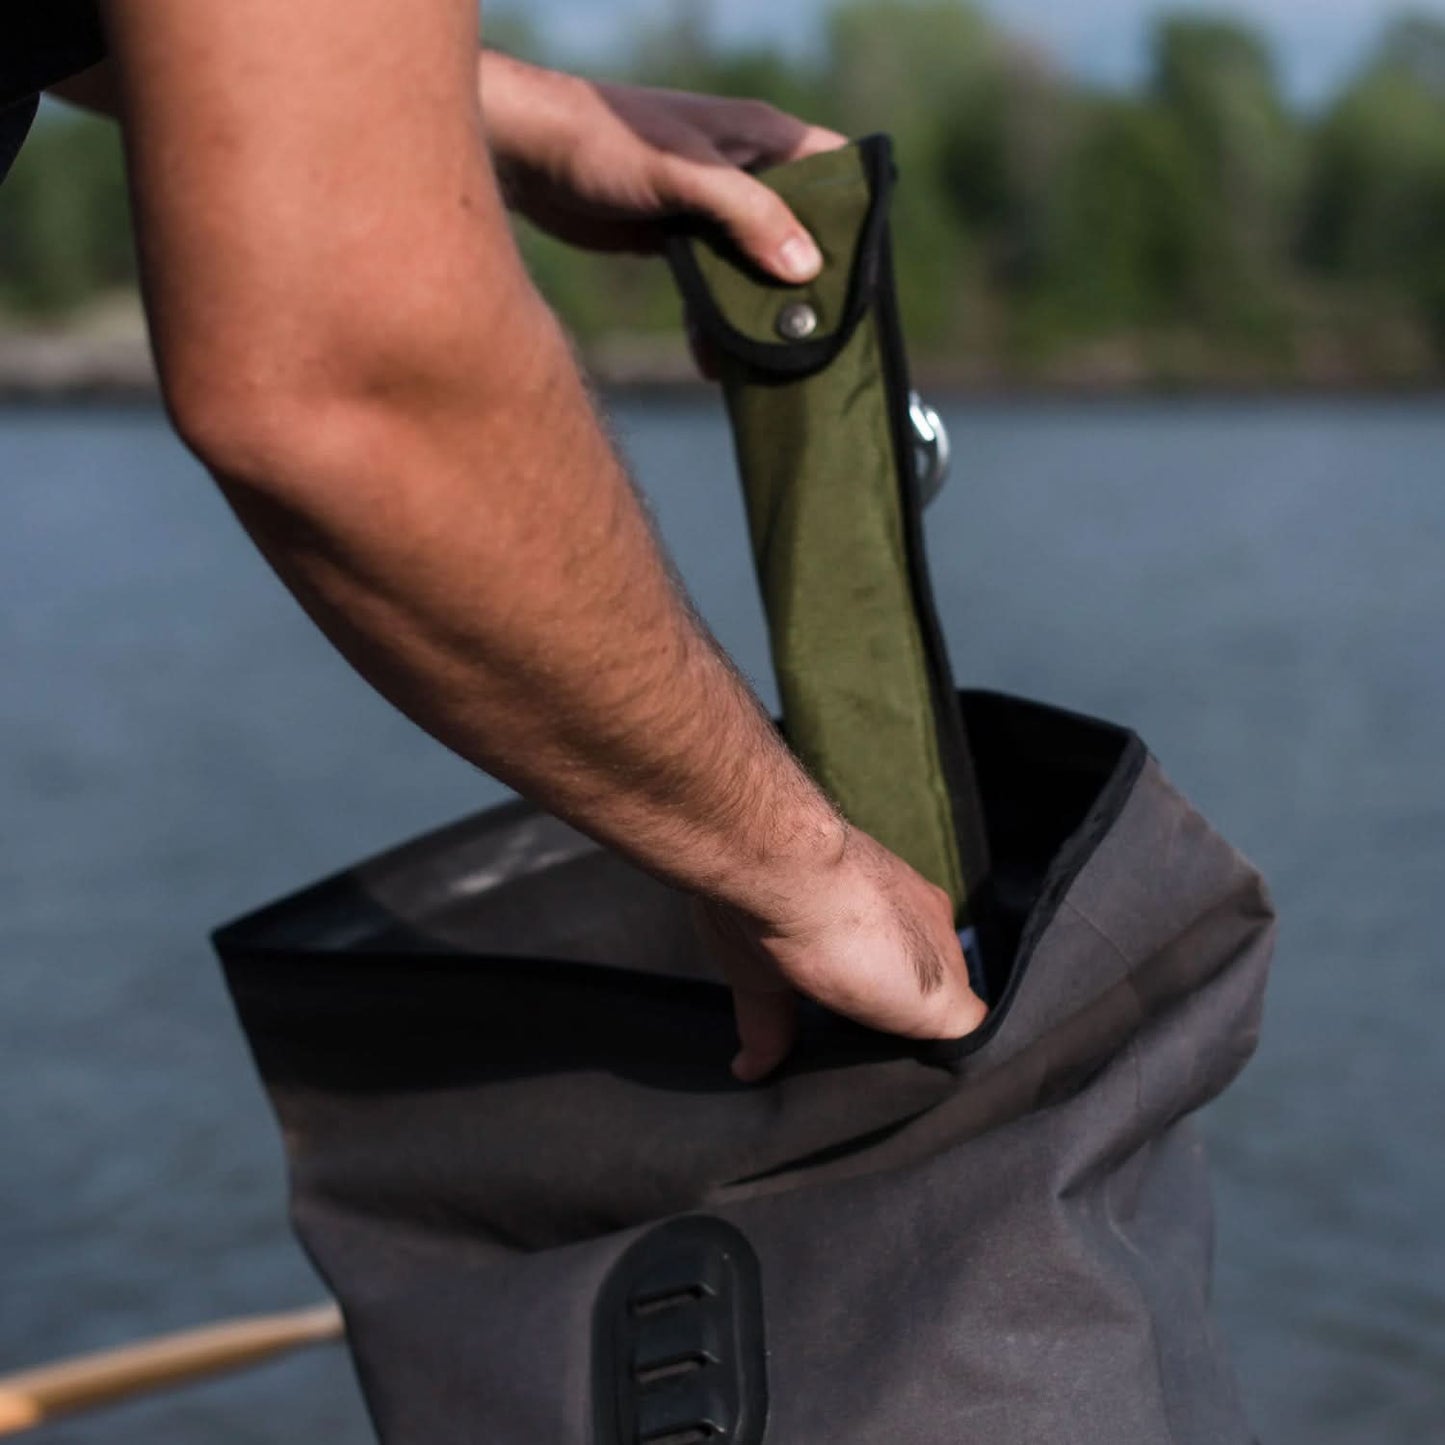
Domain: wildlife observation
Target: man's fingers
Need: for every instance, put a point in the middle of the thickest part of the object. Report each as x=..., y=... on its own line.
x=963, y=1015
x=756, y=218
x=814, y=141
x=950, y=1008
x=767, y=1028
x=890, y=999
x=752, y=133
x=764, y=1005
x=908, y=977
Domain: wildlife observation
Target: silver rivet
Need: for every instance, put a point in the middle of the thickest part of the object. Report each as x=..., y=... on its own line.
x=797, y=321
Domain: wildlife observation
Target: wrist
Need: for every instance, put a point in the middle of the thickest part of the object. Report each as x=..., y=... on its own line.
x=801, y=854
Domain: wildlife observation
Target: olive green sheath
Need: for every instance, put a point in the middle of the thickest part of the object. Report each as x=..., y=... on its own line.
x=817, y=391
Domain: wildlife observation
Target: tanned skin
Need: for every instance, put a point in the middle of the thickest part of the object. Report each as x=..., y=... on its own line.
x=348, y=340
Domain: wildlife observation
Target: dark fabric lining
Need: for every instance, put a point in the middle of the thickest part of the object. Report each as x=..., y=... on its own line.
x=1044, y=823
x=409, y=944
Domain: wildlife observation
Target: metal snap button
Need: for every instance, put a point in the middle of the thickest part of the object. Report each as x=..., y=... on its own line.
x=797, y=321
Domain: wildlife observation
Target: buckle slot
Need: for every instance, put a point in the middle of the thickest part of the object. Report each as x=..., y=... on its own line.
x=678, y=1356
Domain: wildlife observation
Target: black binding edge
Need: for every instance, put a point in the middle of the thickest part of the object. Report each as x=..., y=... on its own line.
x=954, y=750
x=1069, y=862
x=252, y=965
x=793, y=358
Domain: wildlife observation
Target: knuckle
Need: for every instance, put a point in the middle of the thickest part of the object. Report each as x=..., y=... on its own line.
x=682, y=181
x=771, y=210
x=755, y=212
x=763, y=113
x=960, y=1017
x=938, y=1021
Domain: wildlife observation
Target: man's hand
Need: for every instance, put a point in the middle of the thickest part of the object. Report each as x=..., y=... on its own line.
x=603, y=166
x=871, y=940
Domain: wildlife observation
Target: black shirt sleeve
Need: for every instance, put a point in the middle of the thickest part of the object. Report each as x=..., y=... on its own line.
x=45, y=41
x=41, y=42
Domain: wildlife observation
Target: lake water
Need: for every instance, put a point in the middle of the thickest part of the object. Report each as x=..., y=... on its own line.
x=1259, y=589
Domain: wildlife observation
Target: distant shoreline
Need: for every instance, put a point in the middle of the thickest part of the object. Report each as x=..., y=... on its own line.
x=112, y=396
x=114, y=368
x=126, y=398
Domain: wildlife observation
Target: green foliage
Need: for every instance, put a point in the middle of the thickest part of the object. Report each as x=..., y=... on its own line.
x=1038, y=220
x=1129, y=245
x=64, y=218
x=1376, y=209
x=899, y=65
x=1217, y=81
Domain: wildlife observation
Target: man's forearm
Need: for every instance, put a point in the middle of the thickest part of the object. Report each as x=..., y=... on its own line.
x=397, y=418
x=499, y=580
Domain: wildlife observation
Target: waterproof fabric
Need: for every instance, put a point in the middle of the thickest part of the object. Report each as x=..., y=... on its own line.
x=500, y=1062
x=824, y=448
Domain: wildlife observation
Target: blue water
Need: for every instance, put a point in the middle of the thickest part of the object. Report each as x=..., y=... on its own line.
x=1260, y=589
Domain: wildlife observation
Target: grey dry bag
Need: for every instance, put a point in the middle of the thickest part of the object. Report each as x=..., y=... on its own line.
x=500, y=1063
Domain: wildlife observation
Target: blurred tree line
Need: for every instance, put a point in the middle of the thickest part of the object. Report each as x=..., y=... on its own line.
x=1198, y=228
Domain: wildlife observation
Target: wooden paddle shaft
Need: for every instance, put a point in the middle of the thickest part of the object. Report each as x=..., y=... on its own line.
x=34, y=1396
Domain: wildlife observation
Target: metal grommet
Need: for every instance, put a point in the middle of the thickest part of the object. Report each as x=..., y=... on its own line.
x=797, y=321
x=932, y=452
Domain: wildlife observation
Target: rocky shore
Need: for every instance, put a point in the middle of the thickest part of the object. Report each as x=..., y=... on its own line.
x=104, y=357
x=107, y=358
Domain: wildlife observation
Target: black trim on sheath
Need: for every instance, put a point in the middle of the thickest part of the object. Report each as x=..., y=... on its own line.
x=955, y=753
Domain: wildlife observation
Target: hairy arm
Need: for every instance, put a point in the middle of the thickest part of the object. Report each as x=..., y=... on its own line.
x=347, y=338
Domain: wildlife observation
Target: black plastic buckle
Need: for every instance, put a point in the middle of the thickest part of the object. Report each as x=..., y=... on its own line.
x=678, y=1352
